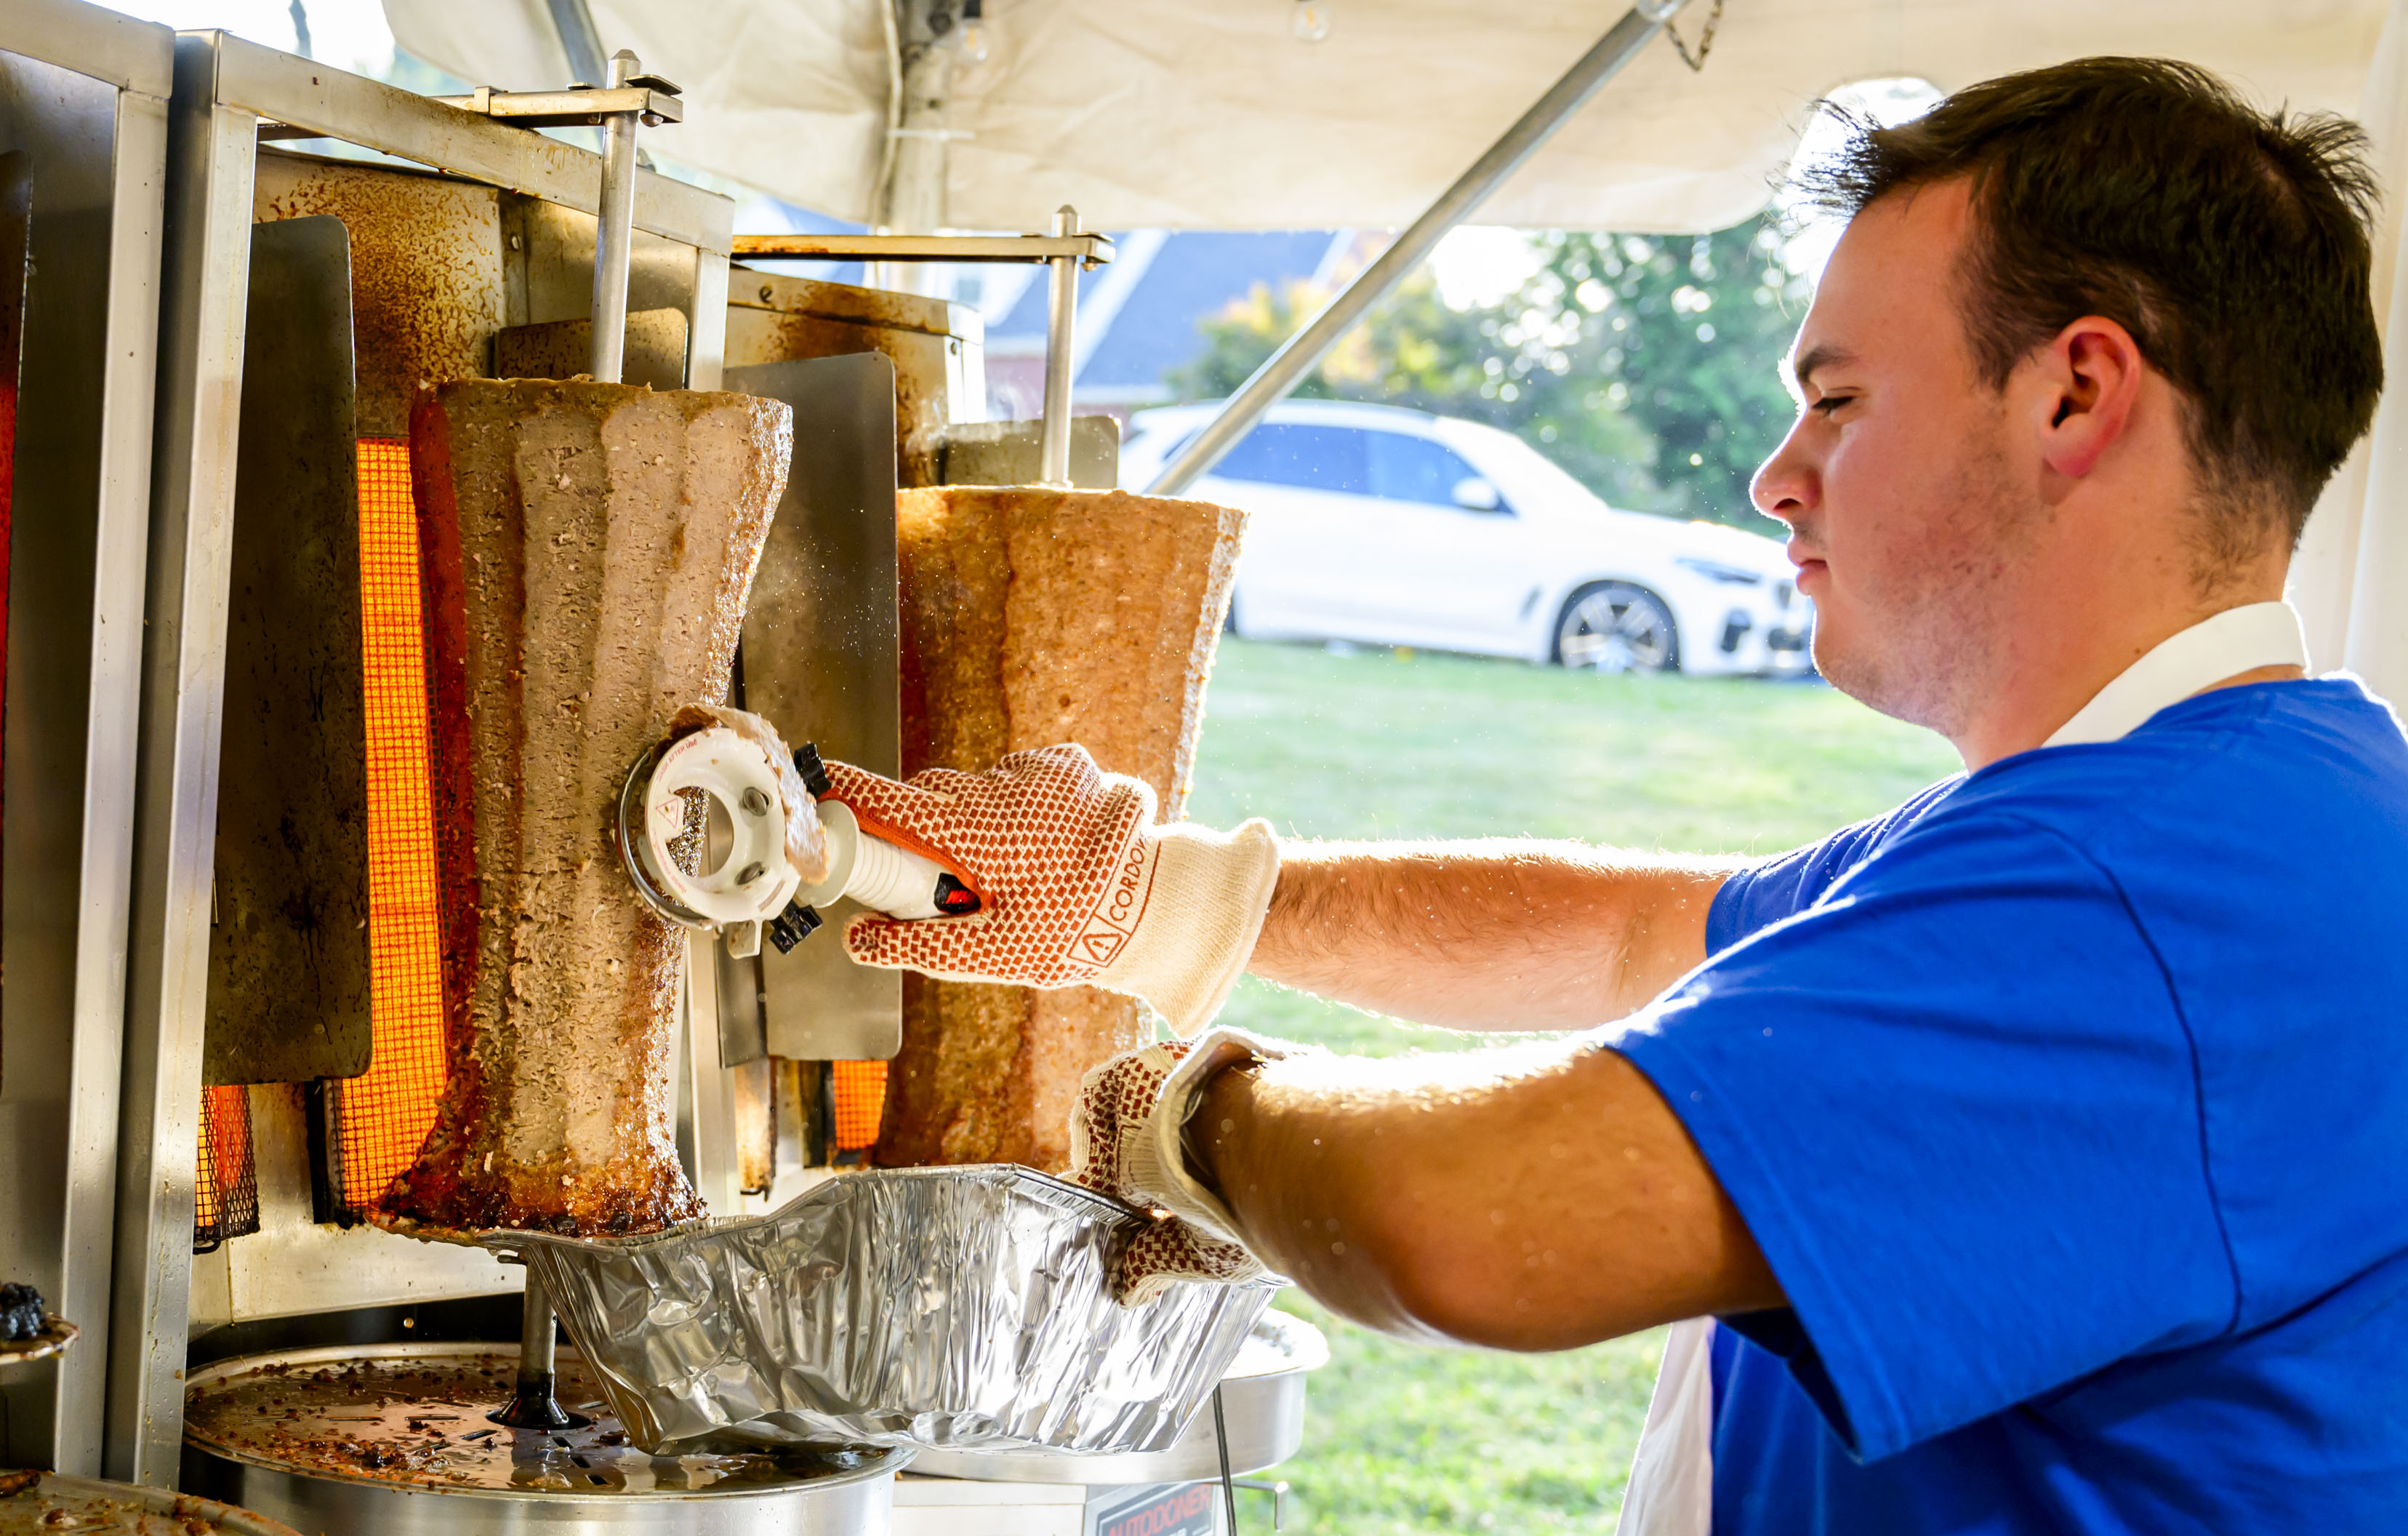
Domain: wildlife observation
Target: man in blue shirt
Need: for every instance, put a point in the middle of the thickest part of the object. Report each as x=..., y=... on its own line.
x=2036, y=1145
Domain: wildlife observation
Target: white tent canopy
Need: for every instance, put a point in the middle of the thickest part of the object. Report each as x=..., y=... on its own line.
x=1209, y=114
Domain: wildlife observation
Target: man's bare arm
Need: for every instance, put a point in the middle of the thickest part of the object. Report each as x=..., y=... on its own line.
x=1500, y=934
x=1534, y=1197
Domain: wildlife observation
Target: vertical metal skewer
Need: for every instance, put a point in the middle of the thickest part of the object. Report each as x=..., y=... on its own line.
x=1061, y=315
x=532, y=1404
x=615, y=234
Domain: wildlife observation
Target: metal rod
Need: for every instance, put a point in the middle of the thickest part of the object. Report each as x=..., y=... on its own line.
x=532, y=1404
x=537, y=1345
x=614, y=234
x=1221, y=1437
x=1061, y=316
x=1285, y=368
x=1091, y=250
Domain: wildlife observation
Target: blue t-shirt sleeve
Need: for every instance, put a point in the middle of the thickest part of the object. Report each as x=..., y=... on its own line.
x=1957, y=1108
x=1758, y=898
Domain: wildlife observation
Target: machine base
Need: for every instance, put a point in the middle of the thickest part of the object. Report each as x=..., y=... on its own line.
x=394, y=1438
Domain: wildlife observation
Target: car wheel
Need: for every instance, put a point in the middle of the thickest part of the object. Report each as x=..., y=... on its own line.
x=1613, y=626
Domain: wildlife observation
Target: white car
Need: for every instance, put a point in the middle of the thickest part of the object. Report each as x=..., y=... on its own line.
x=1397, y=527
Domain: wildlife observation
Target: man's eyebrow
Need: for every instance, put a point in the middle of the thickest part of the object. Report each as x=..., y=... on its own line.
x=1821, y=355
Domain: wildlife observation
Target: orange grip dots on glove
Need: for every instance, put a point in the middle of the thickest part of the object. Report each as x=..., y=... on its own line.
x=1126, y=1143
x=1078, y=886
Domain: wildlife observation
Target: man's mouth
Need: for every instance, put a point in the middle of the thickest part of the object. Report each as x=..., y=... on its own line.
x=1811, y=568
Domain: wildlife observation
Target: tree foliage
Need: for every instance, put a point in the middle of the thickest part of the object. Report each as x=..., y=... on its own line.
x=1645, y=364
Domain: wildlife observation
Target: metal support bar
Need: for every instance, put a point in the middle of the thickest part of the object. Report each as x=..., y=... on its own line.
x=1090, y=251
x=613, y=237
x=302, y=95
x=654, y=97
x=1288, y=365
x=1061, y=316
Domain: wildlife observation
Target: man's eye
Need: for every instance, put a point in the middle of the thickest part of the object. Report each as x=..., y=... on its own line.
x=1830, y=403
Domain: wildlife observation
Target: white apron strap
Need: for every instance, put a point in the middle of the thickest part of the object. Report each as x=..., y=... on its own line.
x=1671, y=1488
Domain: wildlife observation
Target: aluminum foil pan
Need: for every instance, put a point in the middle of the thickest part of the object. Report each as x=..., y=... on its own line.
x=963, y=1307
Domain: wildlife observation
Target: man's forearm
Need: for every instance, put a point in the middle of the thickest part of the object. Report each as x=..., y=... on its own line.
x=1490, y=935
x=1539, y=1197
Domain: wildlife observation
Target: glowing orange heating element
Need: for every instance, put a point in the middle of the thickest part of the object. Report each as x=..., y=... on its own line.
x=225, y=1181
x=386, y=1113
x=860, y=1094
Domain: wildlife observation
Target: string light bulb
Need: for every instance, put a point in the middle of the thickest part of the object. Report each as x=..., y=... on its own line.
x=971, y=38
x=1309, y=19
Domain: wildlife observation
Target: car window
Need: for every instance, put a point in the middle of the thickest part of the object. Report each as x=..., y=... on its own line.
x=1407, y=469
x=1319, y=458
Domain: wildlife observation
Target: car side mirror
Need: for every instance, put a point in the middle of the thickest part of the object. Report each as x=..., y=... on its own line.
x=1475, y=494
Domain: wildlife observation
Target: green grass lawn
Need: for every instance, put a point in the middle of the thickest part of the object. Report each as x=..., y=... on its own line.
x=1400, y=744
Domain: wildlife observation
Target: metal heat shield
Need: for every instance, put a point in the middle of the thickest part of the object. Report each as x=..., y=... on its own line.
x=288, y=996
x=1006, y=454
x=821, y=659
x=563, y=348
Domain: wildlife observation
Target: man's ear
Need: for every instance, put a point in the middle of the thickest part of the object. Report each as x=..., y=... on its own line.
x=2089, y=377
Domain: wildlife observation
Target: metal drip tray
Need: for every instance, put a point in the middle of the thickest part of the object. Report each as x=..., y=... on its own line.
x=394, y=1438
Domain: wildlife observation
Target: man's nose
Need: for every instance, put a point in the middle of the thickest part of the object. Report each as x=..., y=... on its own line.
x=1784, y=487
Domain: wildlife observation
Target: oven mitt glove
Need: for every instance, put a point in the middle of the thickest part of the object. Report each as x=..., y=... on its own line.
x=1077, y=886
x=1126, y=1142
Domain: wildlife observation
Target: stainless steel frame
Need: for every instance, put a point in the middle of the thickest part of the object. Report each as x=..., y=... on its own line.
x=223, y=88
x=1283, y=370
x=84, y=92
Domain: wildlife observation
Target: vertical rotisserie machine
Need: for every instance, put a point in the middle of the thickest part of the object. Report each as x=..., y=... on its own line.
x=285, y=976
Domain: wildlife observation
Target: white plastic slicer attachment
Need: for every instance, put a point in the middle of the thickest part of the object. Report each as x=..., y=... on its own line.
x=735, y=894
x=871, y=871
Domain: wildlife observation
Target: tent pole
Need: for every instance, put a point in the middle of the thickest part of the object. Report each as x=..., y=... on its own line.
x=581, y=41
x=913, y=198
x=1286, y=367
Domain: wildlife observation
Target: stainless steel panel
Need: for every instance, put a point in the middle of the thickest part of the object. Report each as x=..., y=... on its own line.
x=774, y=318
x=81, y=511
x=287, y=992
x=554, y=255
x=1007, y=453
x=559, y=348
x=427, y=271
x=105, y=45
x=204, y=281
x=820, y=660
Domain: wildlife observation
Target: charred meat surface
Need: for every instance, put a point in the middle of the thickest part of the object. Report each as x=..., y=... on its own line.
x=586, y=552
x=21, y=1314
x=1031, y=617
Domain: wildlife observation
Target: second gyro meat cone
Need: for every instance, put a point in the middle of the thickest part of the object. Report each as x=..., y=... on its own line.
x=1032, y=617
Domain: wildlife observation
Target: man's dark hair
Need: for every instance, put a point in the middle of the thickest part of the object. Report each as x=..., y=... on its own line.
x=2231, y=243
